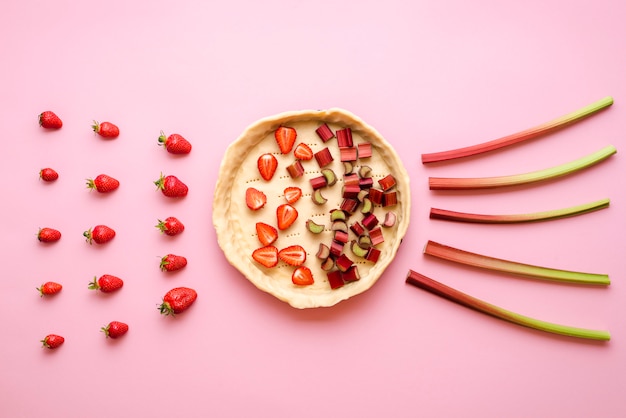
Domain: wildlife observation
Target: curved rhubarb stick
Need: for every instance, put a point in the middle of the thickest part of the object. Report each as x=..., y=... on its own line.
x=446, y=292
x=525, y=135
x=497, y=264
x=446, y=183
x=449, y=215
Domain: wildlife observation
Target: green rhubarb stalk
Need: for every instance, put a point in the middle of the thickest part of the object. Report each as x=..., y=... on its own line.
x=496, y=264
x=444, y=183
x=446, y=292
x=449, y=215
x=524, y=135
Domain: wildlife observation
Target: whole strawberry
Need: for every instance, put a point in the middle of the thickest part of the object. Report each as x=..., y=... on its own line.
x=48, y=174
x=105, y=129
x=49, y=288
x=52, y=341
x=177, y=300
x=172, y=262
x=106, y=283
x=175, y=144
x=103, y=183
x=171, y=186
x=170, y=226
x=48, y=235
x=50, y=120
x=115, y=329
x=100, y=234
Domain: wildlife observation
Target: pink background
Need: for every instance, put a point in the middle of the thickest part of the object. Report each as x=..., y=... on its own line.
x=430, y=76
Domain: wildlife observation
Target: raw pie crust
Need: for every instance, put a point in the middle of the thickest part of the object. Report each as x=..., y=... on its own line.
x=235, y=222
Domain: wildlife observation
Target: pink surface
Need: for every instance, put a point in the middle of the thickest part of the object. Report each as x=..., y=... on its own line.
x=430, y=76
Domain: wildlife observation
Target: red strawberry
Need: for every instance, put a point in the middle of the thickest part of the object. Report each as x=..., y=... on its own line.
x=115, y=329
x=267, y=165
x=172, y=262
x=106, y=283
x=100, y=234
x=52, y=341
x=103, y=183
x=49, y=288
x=50, y=120
x=175, y=144
x=48, y=235
x=255, y=199
x=302, y=276
x=267, y=233
x=171, y=186
x=285, y=137
x=48, y=174
x=286, y=215
x=292, y=194
x=170, y=226
x=294, y=255
x=105, y=129
x=177, y=300
x=303, y=152
x=266, y=256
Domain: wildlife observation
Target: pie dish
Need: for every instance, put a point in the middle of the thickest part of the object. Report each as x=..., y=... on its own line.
x=235, y=221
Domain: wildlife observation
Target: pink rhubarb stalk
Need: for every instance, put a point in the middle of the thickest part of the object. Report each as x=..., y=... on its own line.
x=443, y=183
x=446, y=292
x=496, y=264
x=449, y=215
x=525, y=135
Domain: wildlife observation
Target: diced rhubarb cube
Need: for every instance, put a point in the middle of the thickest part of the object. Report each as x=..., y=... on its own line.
x=372, y=254
x=365, y=150
x=344, y=138
x=387, y=182
x=343, y=263
x=366, y=182
x=390, y=199
x=370, y=221
x=376, y=235
x=351, y=179
x=325, y=133
x=323, y=157
x=334, y=279
x=357, y=228
x=295, y=169
x=351, y=275
x=336, y=248
x=347, y=154
x=351, y=191
x=376, y=196
x=349, y=205
x=341, y=236
x=318, y=182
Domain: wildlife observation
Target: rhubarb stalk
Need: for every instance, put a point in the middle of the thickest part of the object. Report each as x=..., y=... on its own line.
x=525, y=135
x=449, y=215
x=443, y=183
x=496, y=264
x=446, y=292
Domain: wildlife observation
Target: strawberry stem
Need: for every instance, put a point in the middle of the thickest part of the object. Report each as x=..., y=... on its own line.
x=521, y=136
x=443, y=183
x=449, y=215
x=446, y=292
x=496, y=264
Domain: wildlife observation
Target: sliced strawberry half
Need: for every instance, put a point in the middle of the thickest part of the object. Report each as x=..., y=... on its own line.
x=302, y=276
x=303, y=152
x=292, y=194
x=294, y=255
x=267, y=165
x=255, y=199
x=266, y=256
x=286, y=215
x=285, y=137
x=267, y=233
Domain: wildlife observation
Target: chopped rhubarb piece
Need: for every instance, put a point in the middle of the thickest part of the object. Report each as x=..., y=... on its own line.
x=334, y=279
x=337, y=215
x=376, y=235
x=365, y=150
x=351, y=275
x=347, y=167
x=347, y=154
x=323, y=157
x=390, y=219
x=328, y=264
x=325, y=133
x=314, y=227
x=363, y=194
x=349, y=205
x=370, y=221
x=351, y=191
x=376, y=196
x=351, y=179
x=323, y=251
x=387, y=182
x=339, y=225
x=357, y=228
x=344, y=138
x=364, y=241
x=372, y=254
x=295, y=169
x=341, y=236
x=365, y=171
x=336, y=248
x=367, y=206
x=318, y=198
x=390, y=199
x=357, y=249
x=330, y=176
x=366, y=182
x=343, y=263
x=318, y=182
